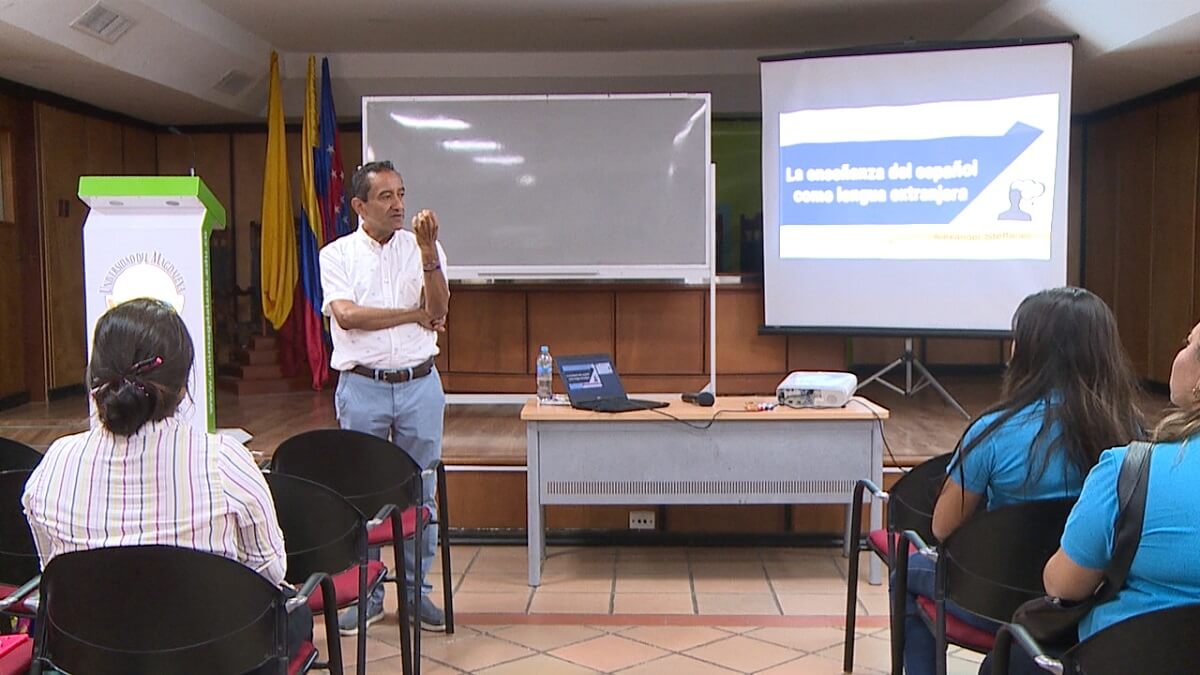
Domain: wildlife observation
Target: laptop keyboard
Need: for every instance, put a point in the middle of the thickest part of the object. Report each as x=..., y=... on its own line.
x=615, y=405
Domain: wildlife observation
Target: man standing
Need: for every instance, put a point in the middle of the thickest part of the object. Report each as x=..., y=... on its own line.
x=385, y=289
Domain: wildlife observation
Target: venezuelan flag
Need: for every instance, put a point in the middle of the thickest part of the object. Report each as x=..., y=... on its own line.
x=330, y=177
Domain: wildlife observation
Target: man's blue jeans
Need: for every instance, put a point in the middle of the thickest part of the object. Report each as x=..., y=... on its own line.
x=411, y=415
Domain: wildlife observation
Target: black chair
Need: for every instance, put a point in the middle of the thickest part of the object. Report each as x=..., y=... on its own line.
x=380, y=479
x=19, y=566
x=909, y=507
x=163, y=609
x=989, y=566
x=16, y=456
x=1162, y=642
x=326, y=534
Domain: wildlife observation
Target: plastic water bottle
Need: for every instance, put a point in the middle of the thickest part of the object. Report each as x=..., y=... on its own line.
x=545, y=374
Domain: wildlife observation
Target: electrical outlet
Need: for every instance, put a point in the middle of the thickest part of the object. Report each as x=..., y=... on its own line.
x=641, y=520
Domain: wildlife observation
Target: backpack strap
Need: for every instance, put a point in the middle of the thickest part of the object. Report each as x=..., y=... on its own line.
x=1131, y=500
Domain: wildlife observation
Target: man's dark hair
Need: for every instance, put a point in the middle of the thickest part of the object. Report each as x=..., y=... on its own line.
x=360, y=182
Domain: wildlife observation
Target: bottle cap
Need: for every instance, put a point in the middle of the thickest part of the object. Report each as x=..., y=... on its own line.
x=545, y=349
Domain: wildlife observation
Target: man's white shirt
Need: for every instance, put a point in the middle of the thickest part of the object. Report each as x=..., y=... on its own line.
x=359, y=269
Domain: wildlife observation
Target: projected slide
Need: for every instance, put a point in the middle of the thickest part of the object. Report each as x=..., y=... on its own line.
x=915, y=190
x=948, y=180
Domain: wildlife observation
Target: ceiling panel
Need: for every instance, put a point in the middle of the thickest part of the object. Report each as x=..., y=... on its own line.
x=585, y=25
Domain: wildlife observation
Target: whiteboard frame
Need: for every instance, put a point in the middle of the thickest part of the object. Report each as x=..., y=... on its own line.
x=691, y=273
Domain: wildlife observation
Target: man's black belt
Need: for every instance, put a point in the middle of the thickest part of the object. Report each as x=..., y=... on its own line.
x=398, y=375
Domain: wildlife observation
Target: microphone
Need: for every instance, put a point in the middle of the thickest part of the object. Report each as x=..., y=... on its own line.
x=700, y=398
x=175, y=131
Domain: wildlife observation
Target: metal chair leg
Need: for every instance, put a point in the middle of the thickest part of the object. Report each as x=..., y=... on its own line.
x=940, y=625
x=855, y=535
x=899, y=600
x=333, y=640
x=406, y=647
x=417, y=591
x=361, y=609
x=443, y=520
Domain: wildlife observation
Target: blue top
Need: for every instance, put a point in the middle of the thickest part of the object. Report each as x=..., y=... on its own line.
x=1000, y=466
x=1166, y=569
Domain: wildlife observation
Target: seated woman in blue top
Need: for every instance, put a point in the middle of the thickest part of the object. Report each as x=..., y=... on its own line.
x=1068, y=393
x=1166, y=569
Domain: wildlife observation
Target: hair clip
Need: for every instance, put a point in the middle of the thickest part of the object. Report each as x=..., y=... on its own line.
x=109, y=384
x=147, y=365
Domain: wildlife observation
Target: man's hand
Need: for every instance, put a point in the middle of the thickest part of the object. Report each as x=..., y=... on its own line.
x=428, y=322
x=425, y=226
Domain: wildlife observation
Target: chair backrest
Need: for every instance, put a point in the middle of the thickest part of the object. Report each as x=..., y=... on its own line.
x=323, y=530
x=369, y=471
x=18, y=554
x=157, y=609
x=1158, y=642
x=994, y=560
x=912, y=498
x=16, y=456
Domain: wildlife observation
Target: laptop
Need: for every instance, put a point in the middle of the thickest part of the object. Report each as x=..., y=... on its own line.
x=592, y=383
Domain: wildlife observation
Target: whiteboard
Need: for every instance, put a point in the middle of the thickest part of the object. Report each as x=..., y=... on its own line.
x=550, y=187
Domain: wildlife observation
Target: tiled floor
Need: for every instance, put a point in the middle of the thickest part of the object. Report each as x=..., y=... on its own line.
x=642, y=611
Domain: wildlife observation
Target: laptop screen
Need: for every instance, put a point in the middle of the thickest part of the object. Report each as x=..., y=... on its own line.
x=589, y=377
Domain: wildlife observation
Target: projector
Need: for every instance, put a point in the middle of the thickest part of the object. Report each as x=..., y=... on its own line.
x=809, y=389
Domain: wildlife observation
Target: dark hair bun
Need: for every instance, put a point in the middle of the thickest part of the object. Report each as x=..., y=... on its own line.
x=125, y=405
x=141, y=357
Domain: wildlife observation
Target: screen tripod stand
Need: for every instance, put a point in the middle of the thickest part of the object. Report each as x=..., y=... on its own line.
x=910, y=361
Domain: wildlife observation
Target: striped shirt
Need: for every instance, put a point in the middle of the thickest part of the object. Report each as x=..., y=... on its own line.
x=168, y=484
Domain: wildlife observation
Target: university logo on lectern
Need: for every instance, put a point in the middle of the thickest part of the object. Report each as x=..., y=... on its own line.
x=144, y=275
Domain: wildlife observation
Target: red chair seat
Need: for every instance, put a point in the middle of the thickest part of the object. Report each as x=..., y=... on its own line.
x=20, y=607
x=303, y=659
x=16, y=660
x=958, y=631
x=381, y=535
x=878, y=541
x=345, y=585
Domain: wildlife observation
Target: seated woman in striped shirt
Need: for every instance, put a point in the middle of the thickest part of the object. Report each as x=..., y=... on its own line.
x=141, y=476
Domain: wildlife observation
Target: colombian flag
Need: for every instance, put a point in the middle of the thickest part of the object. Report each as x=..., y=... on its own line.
x=311, y=235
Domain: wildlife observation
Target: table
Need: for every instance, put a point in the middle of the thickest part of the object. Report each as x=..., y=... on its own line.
x=685, y=454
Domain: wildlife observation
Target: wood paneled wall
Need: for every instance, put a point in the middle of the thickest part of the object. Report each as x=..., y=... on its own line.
x=248, y=165
x=1173, y=235
x=70, y=145
x=212, y=160
x=20, y=254
x=1140, y=220
x=247, y=176
x=63, y=148
x=657, y=335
